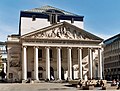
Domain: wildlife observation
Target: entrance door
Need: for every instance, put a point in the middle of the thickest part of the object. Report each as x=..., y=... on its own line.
x=51, y=73
x=29, y=74
x=40, y=74
x=62, y=73
x=72, y=73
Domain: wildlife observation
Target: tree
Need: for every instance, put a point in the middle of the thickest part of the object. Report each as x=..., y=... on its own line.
x=1, y=63
x=2, y=74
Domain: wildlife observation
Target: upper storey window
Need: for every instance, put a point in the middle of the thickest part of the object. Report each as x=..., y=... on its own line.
x=53, y=18
x=53, y=15
x=72, y=20
x=33, y=17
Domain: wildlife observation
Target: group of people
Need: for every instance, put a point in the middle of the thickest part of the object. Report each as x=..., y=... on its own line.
x=116, y=83
x=99, y=83
x=90, y=83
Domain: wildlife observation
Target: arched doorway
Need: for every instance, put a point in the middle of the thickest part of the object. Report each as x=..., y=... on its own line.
x=62, y=73
x=51, y=73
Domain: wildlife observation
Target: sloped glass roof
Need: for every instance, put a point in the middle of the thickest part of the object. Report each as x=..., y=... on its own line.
x=112, y=39
x=46, y=8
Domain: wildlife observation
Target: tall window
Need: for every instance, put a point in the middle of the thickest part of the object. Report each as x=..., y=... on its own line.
x=51, y=53
x=61, y=54
x=40, y=75
x=40, y=54
x=40, y=68
x=71, y=54
x=29, y=75
x=10, y=75
x=54, y=15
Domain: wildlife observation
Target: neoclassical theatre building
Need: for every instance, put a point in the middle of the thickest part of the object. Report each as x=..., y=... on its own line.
x=52, y=44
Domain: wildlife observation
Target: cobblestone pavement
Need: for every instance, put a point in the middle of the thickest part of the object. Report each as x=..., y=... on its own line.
x=43, y=87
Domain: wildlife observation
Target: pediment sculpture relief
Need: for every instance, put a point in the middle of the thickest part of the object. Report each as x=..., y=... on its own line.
x=61, y=32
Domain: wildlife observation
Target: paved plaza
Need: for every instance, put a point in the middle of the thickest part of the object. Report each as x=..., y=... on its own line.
x=44, y=86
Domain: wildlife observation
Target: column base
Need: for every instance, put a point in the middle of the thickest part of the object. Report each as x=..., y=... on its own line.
x=24, y=81
x=69, y=79
x=36, y=81
x=30, y=81
x=47, y=80
x=58, y=79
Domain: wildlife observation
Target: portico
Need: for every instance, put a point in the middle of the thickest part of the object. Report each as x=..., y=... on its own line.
x=53, y=45
x=58, y=61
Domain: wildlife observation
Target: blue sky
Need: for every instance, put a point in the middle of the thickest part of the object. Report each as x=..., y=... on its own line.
x=101, y=17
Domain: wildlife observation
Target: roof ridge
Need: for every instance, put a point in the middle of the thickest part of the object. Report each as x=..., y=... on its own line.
x=58, y=9
x=47, y=7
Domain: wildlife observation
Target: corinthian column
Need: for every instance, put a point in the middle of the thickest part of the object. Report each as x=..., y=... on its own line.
x=69, y=64
x=100, y=64
x=24, y=64
x=47, y=63
x=90, y=62
x=80, y=62
x=59, y=63
x=36, y=63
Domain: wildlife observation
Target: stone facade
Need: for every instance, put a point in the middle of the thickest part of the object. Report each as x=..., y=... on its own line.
x=59, y=51
x=112, y=58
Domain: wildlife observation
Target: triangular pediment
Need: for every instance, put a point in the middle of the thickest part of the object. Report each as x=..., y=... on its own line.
x=61, y=30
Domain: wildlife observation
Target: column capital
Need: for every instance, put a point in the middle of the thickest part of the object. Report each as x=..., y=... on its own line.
x=58, y=47
x=99, y=48
x=47, y=47
x=69, y=47
x=24, y=46
x=90, y=48
x=36, y=46
x=79, y=48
